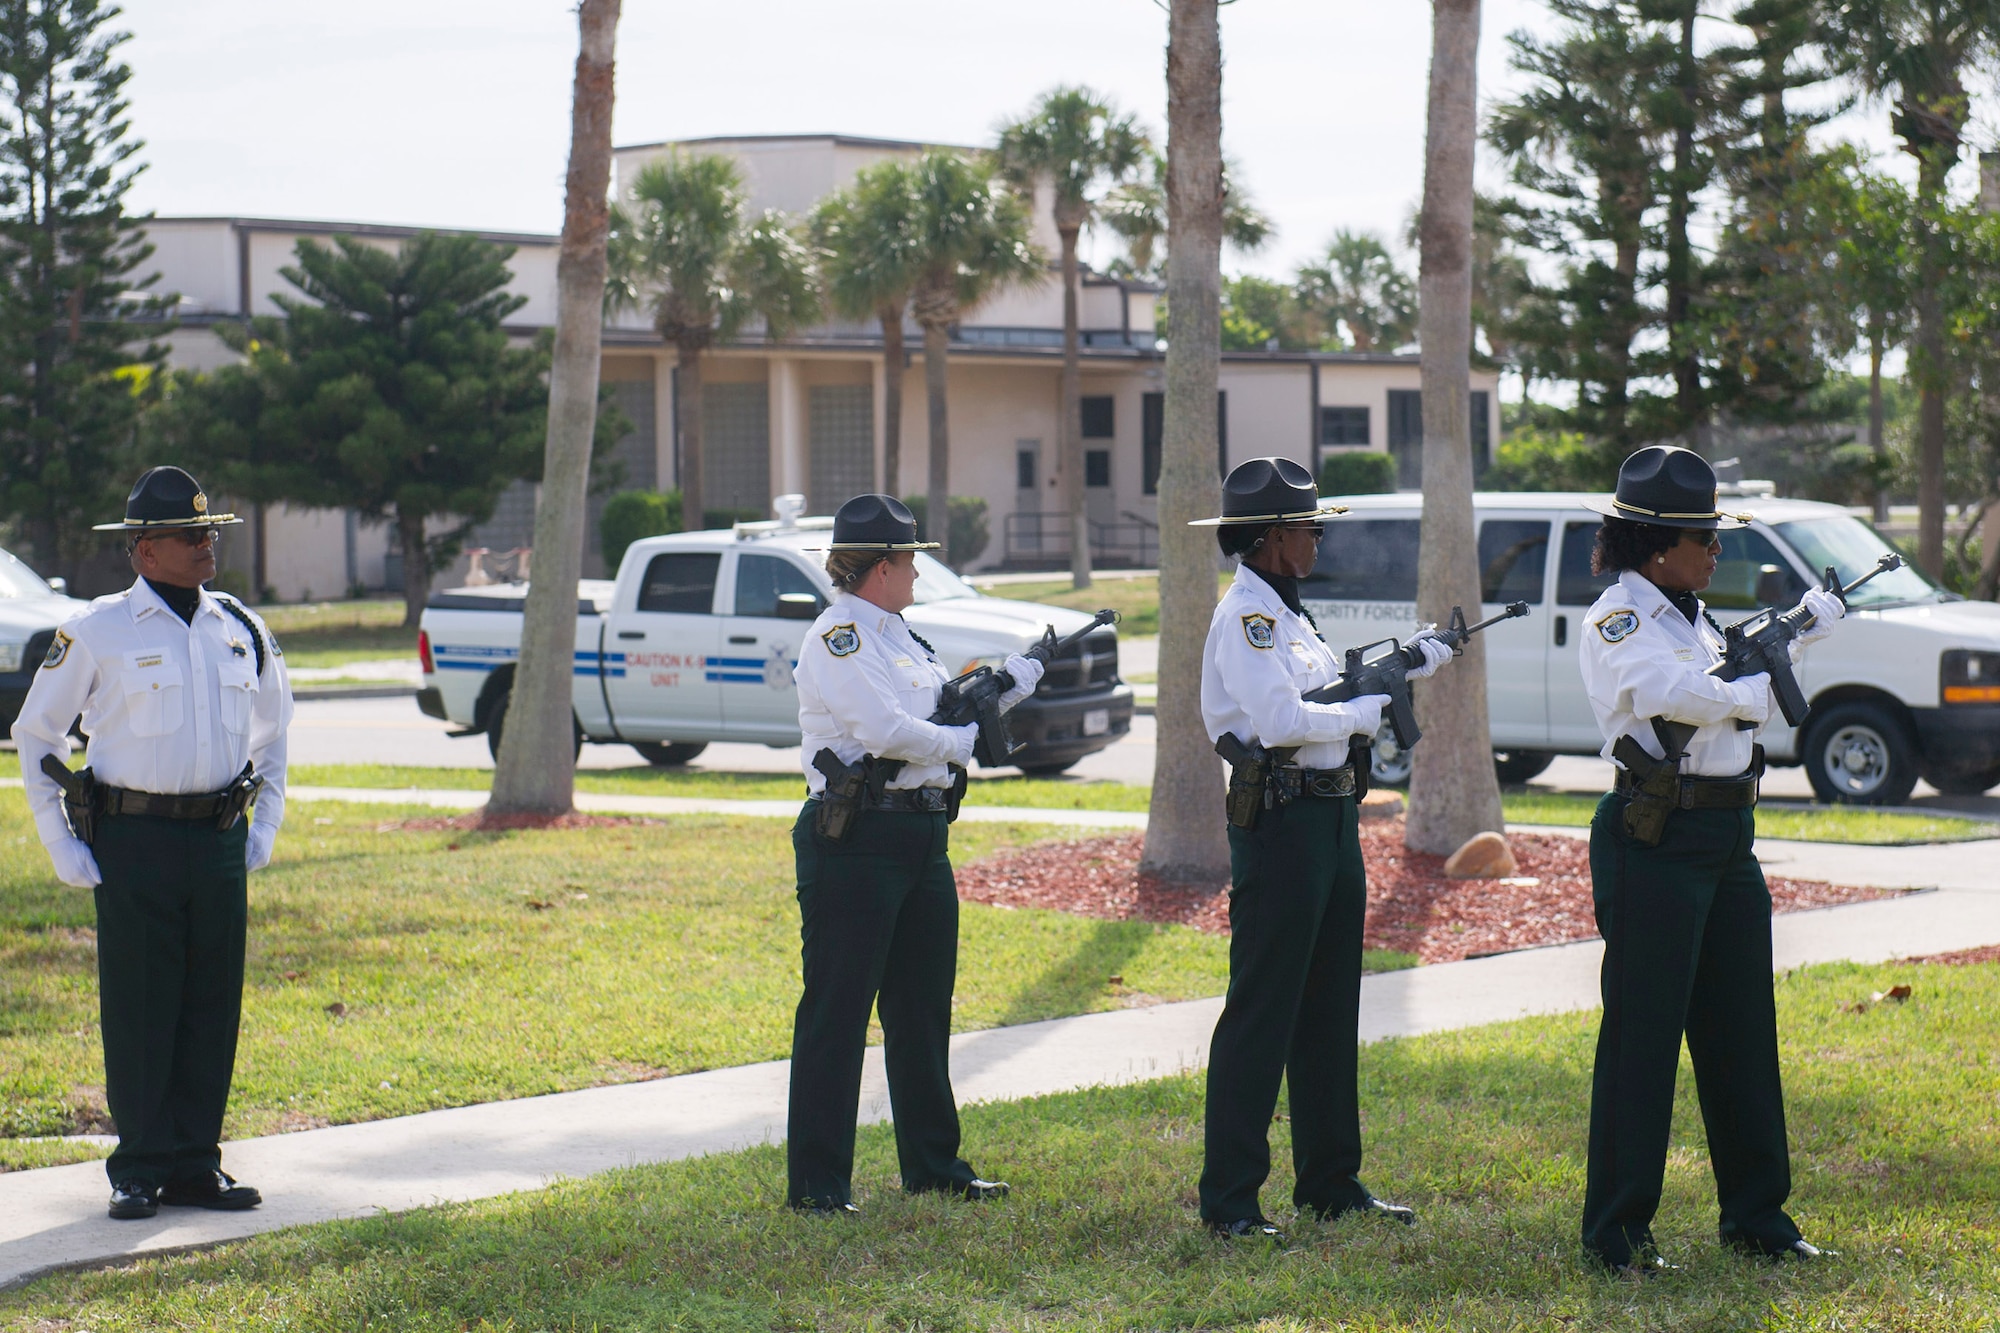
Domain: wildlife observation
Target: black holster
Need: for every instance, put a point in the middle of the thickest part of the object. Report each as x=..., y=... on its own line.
x=954, y=795
x=238, y=797
x=79, y=797
x=1654, y=790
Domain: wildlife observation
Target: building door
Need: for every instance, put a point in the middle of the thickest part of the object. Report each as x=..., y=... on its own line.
x=668, y=689
x=753, y=667
x=1025, y=530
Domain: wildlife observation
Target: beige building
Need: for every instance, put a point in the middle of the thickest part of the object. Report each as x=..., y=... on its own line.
x=805, y=414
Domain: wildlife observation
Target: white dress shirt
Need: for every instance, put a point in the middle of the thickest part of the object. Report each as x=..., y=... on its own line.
x=169, y=707
x=1260, y=657
x=1642, y=660
x=867, y=687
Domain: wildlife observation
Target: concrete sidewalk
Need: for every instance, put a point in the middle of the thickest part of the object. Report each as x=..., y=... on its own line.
x=54, y=1218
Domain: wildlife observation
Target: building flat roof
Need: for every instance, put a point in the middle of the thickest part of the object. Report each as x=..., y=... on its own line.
x=842, y=140
x=318, y=227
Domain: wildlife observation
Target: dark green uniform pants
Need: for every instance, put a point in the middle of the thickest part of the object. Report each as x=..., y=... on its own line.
x=879, y=922
x=1297, y=900
x=170, y=924
x=1687, y=949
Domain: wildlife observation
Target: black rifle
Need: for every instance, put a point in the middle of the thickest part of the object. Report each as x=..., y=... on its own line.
x=1250, y=789
x=975, y=696
x=79, y=797
x=1763, y=643
x=1388, y=672
x=850, y=788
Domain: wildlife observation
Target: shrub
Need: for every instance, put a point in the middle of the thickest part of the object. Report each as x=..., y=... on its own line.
x=630, y=515
x=969, y=530
x=1536, y=460
x=1362, y=472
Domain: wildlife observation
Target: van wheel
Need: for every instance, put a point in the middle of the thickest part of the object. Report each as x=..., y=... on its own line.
x=1047, y=770
x=668, y=754
x=499, y=716
x=1964, y=782
x=1513, y=767
x=1859, y=754
x=1389, y=763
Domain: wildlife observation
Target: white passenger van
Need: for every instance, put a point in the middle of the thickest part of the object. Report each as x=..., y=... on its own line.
x=1908, y=687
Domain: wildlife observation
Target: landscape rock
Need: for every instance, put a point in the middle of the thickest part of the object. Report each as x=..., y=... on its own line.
x=1381, y=805
x=1484, y=856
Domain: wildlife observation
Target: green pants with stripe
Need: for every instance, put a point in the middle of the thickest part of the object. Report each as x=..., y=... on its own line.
x=1687, y=951
x=171, y=916
x=878, y=918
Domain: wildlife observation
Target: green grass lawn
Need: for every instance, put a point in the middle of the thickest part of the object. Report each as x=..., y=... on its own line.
x=475, y=967
x=1137, y=601
x=327, y=634
x=1896, y=1155
x=1850, y=824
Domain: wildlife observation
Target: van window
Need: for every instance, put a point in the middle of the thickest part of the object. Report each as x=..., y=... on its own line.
x=1366, y=560
x=1750, y=575
x=1575, y=584
x=1513, y=555
x=680, y=581
x=761, y=578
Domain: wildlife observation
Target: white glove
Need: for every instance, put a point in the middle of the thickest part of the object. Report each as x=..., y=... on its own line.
x=1366, y=710
x=968, y=736
x=1827, y=612
x=1435, y=650
x=1753, y=697
x=1027, y=673
x=75, y=866
x=257, y=847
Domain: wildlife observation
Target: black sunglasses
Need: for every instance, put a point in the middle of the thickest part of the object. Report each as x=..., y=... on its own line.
x=187, y=536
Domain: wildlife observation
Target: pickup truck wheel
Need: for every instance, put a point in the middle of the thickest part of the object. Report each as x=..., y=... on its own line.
x=1964, y=782
x=500, y=718
x=668, y=754
x=1389, y=763
x=1859, y=754
x=1514, y=767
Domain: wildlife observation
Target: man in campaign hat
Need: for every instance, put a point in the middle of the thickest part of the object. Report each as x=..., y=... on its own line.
x=184, y=697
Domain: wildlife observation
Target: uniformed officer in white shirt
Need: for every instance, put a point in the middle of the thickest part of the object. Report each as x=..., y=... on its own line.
x=877, y=903
x=1298, y=888
x=183, y=695
x=1683, y=907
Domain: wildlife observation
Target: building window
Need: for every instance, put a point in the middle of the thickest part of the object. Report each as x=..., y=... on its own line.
x=1406, y=434
x=1482, y=434
x=1098, y=416
x=1152, y=432
x=1097, y=467
x=1024, y=469
x=1343, y=425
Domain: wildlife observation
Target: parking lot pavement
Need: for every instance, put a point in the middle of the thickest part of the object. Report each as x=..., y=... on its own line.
x=392, y=731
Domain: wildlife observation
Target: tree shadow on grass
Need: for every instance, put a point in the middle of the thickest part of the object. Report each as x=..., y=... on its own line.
x=1074, y=984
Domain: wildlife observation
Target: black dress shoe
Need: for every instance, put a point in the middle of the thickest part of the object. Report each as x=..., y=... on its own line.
x=825, y=1208
x=131, y=1199
x=1246, y=1228
x=979, y=1191
x=1394, y=1212
x=1801, y=1250
x=211, y=1189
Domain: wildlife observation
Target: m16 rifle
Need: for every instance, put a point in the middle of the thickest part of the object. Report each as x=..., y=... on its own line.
x=975, y=696
x=1763, y=643
x=1388, y=671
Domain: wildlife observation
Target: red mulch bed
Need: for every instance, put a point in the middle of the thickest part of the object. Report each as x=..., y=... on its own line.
x=1412, y=907
x=1963, y=958
x=480, y=822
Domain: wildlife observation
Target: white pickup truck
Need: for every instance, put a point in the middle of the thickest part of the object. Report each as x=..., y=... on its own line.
x=695, y=642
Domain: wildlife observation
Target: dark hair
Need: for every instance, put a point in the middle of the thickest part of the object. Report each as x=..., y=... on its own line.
x=847, y=568
x=1240, y=539
x=1623, y=544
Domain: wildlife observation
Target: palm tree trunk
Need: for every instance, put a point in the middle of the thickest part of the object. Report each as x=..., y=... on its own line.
x=416, y=567
x=892, y=400
x=1072, y=421
x=1680, y=249
x=1185, y=834
x=1876, y=444
x=1453, y=791
x=1931, y=261
x=536, y=770
x=687, y=416
x=937, y=495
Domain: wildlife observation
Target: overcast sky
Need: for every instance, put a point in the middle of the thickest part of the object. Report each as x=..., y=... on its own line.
x=455, y=113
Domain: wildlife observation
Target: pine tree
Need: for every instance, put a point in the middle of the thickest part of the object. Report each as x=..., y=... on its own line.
x=76, y=353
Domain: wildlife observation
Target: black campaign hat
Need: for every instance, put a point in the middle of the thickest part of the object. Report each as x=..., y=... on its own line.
x=876, y=523
x=1669, y=487
x=166, y=497
x=1269, y=490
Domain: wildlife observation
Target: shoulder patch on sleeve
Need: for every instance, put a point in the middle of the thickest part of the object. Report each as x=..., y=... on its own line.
x=1618, y=625
x=1260, y=631
x=842, y=640
x=58, y=651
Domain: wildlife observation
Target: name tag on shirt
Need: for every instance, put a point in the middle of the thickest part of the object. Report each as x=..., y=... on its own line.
x=904, y=661
x=1684, y=654
x=146, y=659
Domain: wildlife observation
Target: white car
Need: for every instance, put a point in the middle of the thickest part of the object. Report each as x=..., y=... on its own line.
x=30, y=610
x=1908, y=687
x=695, y=642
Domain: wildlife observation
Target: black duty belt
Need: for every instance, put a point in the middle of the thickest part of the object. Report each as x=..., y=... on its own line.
x=1322, y=783
x=120, y=801
x=910, y=798
x=1738, y=793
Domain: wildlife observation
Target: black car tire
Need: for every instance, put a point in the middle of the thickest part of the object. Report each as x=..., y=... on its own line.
x=1053, y=769
x=668, y=754
x=499, y=716
x=1388, y=763
x=1964, y=782
x=1514, y=767
x=1859, y=753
